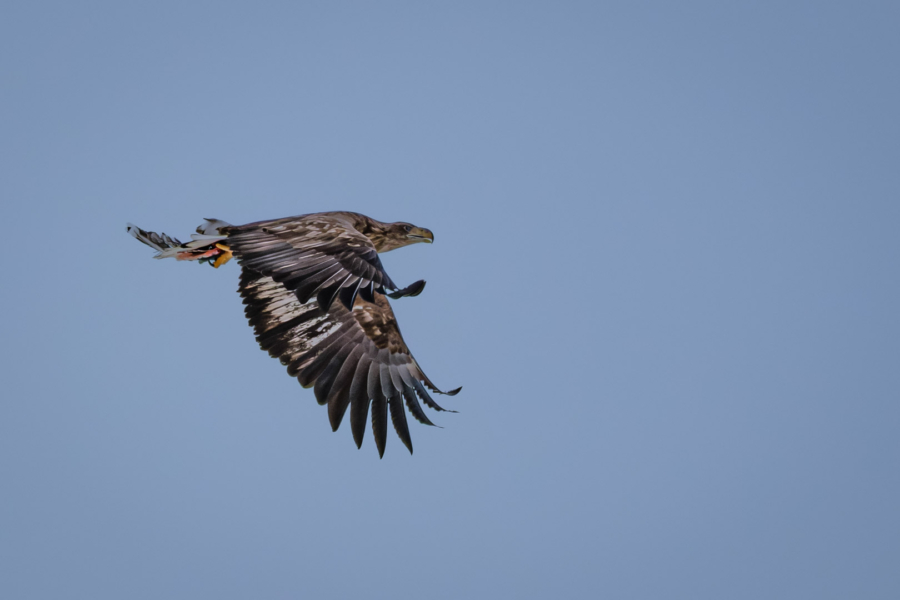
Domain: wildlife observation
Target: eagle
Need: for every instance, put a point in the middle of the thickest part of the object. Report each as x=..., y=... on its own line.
x=316, y=295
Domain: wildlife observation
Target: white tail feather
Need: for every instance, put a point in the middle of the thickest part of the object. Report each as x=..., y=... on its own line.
x=167, y=247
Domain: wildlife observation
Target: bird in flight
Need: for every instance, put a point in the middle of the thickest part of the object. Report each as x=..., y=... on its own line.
x=316, y=294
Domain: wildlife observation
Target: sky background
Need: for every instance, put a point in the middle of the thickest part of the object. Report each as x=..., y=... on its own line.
x=665, y=272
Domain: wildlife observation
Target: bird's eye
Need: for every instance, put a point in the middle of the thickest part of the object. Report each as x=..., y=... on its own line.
x=408, y=228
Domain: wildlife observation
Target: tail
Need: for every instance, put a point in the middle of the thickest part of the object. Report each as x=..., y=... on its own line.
x=205, y=246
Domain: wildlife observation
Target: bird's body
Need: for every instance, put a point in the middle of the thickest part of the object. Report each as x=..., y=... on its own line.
x=315, y=294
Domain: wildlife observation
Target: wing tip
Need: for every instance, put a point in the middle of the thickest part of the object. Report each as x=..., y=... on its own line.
x=413, y=289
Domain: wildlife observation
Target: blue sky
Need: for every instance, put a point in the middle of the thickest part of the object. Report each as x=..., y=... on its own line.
x=665, y=272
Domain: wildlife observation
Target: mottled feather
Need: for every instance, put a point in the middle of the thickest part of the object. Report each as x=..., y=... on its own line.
x=354, y=359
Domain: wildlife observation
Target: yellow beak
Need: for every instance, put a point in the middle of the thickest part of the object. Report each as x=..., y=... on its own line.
x=420, y=234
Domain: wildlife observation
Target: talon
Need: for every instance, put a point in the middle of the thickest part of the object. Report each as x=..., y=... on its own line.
x=224, y=257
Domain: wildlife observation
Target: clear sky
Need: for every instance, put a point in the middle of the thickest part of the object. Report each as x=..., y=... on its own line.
x=665, y=272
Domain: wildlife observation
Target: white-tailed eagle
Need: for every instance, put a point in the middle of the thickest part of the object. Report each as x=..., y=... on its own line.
x=315, y=294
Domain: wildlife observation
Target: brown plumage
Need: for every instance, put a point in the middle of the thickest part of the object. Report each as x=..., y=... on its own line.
x=351, y=351
x=323, y=255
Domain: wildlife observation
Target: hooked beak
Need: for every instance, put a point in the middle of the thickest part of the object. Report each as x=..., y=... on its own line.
x=420, y=234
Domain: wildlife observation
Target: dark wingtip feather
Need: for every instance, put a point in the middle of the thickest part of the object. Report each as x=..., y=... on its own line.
x=437, y=390
x=426, y=398
x=415, y=408
x=413, y=289
x=339, y=397
x=359, y=401
x=323, y=382
x=335, y=416
x=337, y=407
x=379, y=421
x=398, y=417
x=359, y=414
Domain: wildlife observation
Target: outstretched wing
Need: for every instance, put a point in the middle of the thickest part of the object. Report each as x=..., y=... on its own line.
x=353, y=358
x=317, y=256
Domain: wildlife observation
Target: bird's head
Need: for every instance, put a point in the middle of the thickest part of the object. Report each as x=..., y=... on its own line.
x=412, y=233
x=397, y=235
